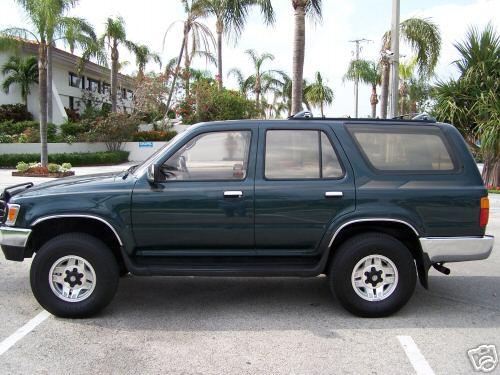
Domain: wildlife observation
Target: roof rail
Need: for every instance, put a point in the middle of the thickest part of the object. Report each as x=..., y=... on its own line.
x=302, y=114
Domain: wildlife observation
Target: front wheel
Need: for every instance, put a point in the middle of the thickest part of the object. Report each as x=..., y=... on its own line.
x=74, y=275
x=373, y=275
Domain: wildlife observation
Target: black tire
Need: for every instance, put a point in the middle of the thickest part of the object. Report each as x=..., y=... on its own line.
x=353, y=251
x=96, y=253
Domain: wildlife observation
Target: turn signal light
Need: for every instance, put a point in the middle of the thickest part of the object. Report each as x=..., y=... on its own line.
x=484, y=212
x=13, y=210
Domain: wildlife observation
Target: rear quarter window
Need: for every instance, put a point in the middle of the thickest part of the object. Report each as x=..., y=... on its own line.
x=404, y=148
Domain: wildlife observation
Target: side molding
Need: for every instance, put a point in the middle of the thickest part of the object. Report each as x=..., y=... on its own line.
x=45, y=218
x=368, y=220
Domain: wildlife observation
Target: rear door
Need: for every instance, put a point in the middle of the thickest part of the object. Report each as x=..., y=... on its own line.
x=303, y=182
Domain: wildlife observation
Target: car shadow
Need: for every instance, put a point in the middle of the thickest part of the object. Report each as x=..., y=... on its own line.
x=255, y=304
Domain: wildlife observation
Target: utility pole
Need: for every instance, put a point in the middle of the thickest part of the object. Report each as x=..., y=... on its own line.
x=356, y=81
x=394, y=87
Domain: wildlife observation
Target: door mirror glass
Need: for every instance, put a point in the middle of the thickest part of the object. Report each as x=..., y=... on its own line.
x=151, y=173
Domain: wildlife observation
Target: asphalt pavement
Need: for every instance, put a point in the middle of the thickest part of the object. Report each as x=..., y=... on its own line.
x=187, y=325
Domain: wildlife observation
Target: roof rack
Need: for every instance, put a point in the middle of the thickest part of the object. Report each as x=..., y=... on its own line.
x=307, y=115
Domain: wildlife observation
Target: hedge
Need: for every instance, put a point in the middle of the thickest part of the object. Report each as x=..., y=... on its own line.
x=76, y=159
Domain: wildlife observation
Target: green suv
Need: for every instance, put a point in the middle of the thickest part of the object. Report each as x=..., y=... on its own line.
x=372, y=204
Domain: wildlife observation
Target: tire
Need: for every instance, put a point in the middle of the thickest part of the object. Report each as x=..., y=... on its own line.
x=387, y=255
x=97, y=268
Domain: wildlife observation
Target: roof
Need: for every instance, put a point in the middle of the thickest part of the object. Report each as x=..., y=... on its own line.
x=62, y=56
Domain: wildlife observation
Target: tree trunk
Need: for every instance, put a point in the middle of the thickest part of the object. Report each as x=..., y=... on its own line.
x=374, y=101
x=50, y=110
x=491, y=171
x=176, y=73
x=114, y=75
x=42, y=86
x=187, y=66
x=298, y=58
x=321, y=108
x=25, y=101
x=384, y=97
x=220, y=28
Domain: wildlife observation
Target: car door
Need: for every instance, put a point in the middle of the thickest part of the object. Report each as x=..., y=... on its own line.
x=303, y=183
x=205, y=201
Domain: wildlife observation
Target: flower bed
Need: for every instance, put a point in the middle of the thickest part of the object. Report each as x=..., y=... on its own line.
x=36, y=170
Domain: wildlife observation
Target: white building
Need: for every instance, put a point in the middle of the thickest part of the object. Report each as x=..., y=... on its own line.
x=68, y=89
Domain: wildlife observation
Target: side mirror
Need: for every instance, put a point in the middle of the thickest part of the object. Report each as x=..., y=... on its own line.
x=151, y=173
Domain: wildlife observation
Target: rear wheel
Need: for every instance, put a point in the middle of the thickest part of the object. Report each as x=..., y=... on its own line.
x=74, y=275
x=373, y=275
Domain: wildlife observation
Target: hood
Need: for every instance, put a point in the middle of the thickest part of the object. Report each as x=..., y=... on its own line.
x=74, y=184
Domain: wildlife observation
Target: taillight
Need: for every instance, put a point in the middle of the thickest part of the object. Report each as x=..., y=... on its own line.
x=485, y=212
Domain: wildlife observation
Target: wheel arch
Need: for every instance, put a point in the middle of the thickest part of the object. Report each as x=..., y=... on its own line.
x=48, y=227
x=397, y=228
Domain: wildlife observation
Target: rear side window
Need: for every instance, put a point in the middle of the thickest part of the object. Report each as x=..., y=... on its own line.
x=300, y=154
x=404, y=148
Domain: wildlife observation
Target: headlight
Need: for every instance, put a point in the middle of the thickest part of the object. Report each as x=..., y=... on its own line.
x=12, y=212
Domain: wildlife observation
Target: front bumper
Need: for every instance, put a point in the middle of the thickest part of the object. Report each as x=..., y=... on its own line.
x=457, y=249
x=13, y=242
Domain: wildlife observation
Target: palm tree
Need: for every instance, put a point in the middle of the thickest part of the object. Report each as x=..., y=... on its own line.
x=244, y=83
x=231, y=16
x=144, y=55
x=261, y=80
x=74, y=31
x=44, y=16
x=424, y=38
x=472, y=101
x=194, y=9
x=368, y=73
x=114, y=36
x=319, y=94
x=22, y=71
x=405, y=75
x=312, y=8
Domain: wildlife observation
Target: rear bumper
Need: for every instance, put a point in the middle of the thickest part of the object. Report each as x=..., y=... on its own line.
x=13, y=242
x=457, y=249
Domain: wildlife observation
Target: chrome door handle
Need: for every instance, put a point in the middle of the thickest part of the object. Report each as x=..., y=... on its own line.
x=233, y=194
x=334, y=194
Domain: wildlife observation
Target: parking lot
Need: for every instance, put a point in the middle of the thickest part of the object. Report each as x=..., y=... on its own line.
x=185, y=325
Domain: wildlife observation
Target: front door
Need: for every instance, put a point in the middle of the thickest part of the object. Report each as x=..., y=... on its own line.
x=303, y=182
x=205, y=200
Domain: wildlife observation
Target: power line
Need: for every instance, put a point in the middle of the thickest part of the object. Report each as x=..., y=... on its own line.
x=356, y=79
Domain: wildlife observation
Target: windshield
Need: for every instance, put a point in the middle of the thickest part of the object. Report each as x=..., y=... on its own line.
x=139, y=169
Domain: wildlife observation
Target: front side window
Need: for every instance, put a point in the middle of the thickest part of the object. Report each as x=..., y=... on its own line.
x=210, y=156
x=403, y=148
x=300, y=154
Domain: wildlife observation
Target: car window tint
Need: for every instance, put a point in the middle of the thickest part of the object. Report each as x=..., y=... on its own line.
x=404, y=148
x=210, y=156
x=330, y=164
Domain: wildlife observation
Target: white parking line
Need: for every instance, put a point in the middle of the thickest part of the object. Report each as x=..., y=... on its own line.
x=416, y=358
x=23, y=331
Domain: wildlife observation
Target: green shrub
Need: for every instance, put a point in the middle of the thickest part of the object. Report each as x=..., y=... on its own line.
x=22, y=166
x=14, y=112
x=74, y=128
x=154, y=135
x=53, y=168
x=66, y=167
x=14, y=128
x=75, y=159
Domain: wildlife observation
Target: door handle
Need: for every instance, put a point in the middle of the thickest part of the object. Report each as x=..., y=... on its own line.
x=334, y=194
x=233, y=194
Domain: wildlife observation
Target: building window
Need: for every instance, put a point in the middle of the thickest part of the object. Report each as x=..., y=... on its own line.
x=93, y=85
x=106, y=88
x=130, y=95
x=74, y=80
x=71, y=103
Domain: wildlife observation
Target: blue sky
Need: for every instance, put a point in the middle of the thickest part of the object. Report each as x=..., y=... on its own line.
x=327, y=43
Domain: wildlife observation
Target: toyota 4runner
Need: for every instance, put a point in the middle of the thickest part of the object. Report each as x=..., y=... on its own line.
x=372, y=204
